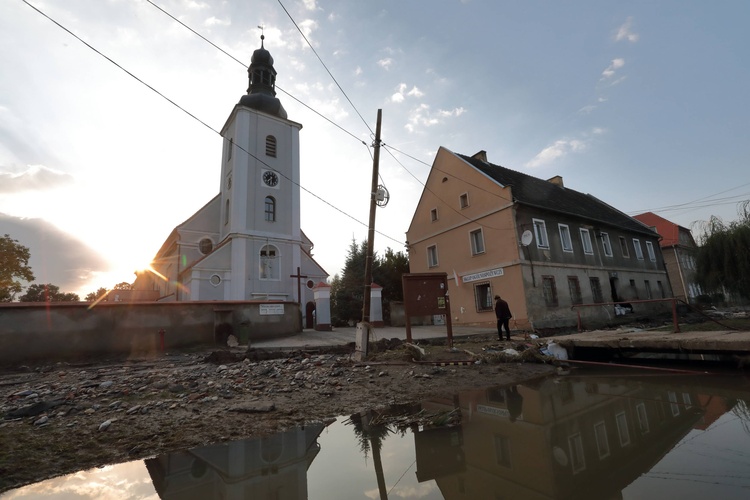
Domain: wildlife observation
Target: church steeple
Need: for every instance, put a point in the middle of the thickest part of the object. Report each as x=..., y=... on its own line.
x=261, y=93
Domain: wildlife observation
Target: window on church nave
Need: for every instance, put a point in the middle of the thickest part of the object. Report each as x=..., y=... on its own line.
x=269, y=266
x=271, y=146
x=270, y=209
x=205, y=246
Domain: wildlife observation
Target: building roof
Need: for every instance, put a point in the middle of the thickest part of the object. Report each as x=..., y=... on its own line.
x=554, y=197
x=668, y=230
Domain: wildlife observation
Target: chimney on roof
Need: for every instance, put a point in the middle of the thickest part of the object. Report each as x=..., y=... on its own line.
x=481, y=156
x=557, y=180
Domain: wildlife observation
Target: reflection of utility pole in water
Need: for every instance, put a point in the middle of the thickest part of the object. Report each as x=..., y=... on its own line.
x=378, y=463
x=371, y=438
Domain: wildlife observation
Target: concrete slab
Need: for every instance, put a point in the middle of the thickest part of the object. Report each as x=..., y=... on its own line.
x=310, y=339
x=704, y=342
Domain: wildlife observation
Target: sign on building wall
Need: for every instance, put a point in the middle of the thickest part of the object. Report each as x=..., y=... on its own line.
x=492, y=273
x=271, y=309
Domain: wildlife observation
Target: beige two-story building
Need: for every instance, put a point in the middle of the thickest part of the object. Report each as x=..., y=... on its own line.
x=550, y=251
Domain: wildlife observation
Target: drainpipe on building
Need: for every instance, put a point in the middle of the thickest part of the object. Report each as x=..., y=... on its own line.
x=679, y=271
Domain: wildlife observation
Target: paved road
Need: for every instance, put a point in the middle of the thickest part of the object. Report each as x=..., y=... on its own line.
x=342, y=336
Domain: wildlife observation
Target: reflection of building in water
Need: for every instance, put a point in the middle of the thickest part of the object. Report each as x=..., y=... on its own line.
x=572, y=438
x=274, y=467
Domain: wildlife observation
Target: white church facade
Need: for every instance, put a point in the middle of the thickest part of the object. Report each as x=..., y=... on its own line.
x=246, y=243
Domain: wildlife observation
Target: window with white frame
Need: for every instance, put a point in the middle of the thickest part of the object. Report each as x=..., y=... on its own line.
x=588, y=248
x=565, y=240
x=606, y=245
x=672, y=396
x=577, y=457
x=650, y=250
x=270, y=209
x=640, y=410
x=622, y=428
x=477, y=241
x=463, y=200
x=638, y=249
x=483, y=297
x=624, y=247
x=540, y=232
x=602, y=443
x=432, y=256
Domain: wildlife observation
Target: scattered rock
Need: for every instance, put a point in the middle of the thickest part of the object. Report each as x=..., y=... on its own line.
x=254, y=408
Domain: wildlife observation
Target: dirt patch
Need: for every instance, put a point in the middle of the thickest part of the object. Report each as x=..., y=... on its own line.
x=63, y=417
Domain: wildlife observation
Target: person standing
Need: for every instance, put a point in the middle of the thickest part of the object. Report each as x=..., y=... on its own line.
x=502, y=311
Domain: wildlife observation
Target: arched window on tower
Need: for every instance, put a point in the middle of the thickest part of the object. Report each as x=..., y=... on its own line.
x=270, y=209
x=271, y=146
x=269, y=263
x=226, y=212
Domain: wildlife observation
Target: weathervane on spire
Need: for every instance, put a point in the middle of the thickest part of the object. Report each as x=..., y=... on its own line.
x=262, y=37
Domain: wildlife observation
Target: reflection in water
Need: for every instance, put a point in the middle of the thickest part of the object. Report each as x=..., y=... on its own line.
x=592, y=435
x=273, y=467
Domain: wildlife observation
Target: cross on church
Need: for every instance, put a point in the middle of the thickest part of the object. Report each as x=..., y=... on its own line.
x=299, y=288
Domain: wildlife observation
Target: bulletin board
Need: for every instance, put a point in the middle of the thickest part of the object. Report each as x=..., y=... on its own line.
x=426, y=294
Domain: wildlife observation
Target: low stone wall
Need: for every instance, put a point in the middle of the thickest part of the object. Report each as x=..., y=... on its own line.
x=55, y=331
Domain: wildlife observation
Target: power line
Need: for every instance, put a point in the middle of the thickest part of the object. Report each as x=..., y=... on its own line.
x=201, y=121
x=245, y=66
x=326, y=67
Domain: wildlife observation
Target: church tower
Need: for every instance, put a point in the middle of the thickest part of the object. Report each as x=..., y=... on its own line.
x=246, y=242
x=260, y=194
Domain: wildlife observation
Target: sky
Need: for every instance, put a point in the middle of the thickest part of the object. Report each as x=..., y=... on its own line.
x=108, y=145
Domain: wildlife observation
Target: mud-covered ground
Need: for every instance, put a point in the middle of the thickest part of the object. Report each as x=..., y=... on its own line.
x=63, y=417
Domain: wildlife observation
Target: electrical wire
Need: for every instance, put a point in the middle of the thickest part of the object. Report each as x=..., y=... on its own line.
x=245, y=66
x=326, y=67
x=202, y=122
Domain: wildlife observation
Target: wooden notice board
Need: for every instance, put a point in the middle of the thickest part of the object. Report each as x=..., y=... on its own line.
x=426, y=294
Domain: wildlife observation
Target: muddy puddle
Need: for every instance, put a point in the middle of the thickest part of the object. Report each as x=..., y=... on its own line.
x=596, y=434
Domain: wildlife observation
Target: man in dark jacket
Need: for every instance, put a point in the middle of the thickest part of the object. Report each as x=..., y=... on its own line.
x=502, y=311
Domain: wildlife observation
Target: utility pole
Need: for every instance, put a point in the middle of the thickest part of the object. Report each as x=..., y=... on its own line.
x=371, y=226
x=363, y=328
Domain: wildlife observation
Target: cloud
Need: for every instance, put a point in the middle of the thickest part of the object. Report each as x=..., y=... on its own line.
x=35, y=178
x=214, y=21
x=422, y=116
x=415, y=92
x=55, y=256
x=624, y=33
x=559, y=149
x=612, y=68
x=358, y=71
x=401, y=93
x=385, y=63
x=308, y=26
x=452, y=112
